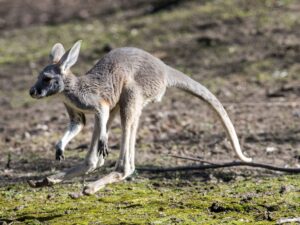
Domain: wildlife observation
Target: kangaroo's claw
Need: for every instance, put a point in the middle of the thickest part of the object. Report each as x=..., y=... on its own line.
x=59, y=154
x=103, y=148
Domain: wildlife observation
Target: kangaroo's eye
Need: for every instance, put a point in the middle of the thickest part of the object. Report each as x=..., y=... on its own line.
x=46, y=79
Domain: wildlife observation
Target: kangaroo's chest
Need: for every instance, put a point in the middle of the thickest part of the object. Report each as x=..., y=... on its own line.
x=78, y=103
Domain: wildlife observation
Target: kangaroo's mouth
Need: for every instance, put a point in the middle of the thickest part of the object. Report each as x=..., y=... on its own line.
x=38, y=96
x=34, y=93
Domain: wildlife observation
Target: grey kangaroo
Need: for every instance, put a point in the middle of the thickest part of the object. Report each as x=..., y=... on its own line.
x=125, y=80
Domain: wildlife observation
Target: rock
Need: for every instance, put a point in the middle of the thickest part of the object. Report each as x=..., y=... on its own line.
x=20, y=207
x=285, y=188
x=43, y=127
x=271, y=149
x=50, y=196
x=26, y=135
x=68, y=212
x=76, y=195
x=279, y=74
x=216, y=207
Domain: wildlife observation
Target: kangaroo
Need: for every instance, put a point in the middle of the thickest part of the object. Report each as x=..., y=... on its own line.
x=124, y=81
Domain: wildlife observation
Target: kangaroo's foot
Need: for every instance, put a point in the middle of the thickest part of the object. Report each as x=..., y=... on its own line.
x=113, y=177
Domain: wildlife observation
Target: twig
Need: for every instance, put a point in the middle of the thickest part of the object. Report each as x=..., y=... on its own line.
x=288, y=220
x=192, y=159
x=223, y=165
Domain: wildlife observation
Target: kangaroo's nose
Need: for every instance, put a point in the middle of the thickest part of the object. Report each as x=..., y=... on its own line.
x=32, y=91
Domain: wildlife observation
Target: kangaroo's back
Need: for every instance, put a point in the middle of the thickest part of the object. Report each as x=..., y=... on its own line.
x=136, y=67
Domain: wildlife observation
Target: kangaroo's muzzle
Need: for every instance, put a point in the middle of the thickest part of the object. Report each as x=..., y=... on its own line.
x=36, y=93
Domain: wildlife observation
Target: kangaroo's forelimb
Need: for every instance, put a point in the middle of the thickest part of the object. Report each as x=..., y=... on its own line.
x=95, y=156
x=77, y=122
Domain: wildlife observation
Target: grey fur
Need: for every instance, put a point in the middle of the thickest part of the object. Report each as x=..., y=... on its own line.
x=125, y=80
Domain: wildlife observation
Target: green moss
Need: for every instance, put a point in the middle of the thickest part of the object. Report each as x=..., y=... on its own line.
x=155, y=202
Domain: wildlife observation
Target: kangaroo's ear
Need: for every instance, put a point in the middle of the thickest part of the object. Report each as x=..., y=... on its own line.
x=70, y=57
x=57, y=52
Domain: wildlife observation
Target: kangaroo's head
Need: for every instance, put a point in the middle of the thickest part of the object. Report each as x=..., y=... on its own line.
x=51, y=79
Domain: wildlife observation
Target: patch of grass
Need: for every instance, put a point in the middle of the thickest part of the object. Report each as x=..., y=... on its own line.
x=155, y=202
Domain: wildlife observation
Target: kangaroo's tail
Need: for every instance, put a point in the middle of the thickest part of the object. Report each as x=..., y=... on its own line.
x=177, y=79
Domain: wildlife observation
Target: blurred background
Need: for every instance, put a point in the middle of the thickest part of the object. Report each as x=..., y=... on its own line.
x=246, y=52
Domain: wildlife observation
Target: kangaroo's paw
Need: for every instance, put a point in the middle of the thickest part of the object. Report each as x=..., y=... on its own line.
x=103, y=148
x=59, y=154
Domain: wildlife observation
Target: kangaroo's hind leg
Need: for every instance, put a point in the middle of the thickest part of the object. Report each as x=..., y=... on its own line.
x=131, y=103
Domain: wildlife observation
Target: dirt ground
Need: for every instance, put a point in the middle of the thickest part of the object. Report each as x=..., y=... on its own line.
x=246, y=52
